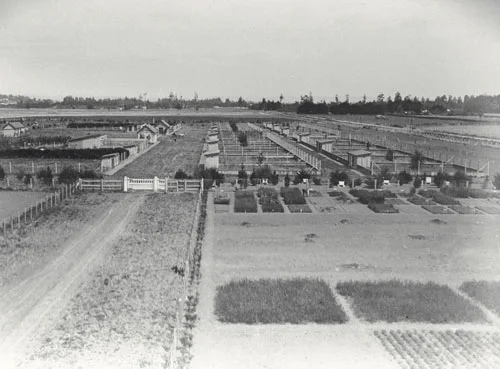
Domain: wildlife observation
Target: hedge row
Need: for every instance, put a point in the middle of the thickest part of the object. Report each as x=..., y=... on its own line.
x=84, y=154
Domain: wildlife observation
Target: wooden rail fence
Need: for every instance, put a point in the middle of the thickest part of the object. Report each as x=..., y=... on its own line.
x=142, y=184
x=29, y=213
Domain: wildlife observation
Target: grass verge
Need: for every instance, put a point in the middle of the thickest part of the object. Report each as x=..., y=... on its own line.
x=268, y=301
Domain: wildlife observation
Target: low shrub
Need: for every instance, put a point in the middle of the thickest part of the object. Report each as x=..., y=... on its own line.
x=337, y=176
x=439, y=197
x=406, y=301
x=68, y=175
x=244, y=202
x=180, y=174
x=46, y=176
x=383, y=208
x=292, y=196
x=27, y=179
x=316, y=180
x=404, y=177
x=90, y=174
x=301, y=175
x=277, y=301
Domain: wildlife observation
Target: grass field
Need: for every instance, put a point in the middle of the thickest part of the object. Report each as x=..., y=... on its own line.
x=13, y=201
x=405, y=301
x=490, y=130
x=124, y=314
x=35, y=243
x=277, y=301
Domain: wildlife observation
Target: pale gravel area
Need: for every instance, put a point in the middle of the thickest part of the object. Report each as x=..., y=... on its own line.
x=350, y=245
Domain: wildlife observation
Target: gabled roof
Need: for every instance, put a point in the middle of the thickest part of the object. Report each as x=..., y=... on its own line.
x=359, y=153
x=164, y=123
x=148, y=127
x=86, y=138
x=15, y=125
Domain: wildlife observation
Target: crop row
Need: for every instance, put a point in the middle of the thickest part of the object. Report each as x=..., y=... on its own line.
x=442, y=349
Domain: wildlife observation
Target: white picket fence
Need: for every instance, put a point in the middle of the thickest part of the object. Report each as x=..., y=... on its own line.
x=154, y=184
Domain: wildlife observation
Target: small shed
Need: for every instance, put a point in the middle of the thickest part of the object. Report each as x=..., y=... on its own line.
x=149, y=133
x=303, y=136
x=212, y=143
x=87, y=142
x=211, y=159
x=163, y=127
x=324, y=144
x=359, y=158
x=13, y=129
x=109, y=161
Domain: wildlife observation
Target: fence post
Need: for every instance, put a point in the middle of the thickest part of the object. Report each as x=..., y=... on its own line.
x=155, y=184
x=102, y=184
x=125, y=184
x=166, y=184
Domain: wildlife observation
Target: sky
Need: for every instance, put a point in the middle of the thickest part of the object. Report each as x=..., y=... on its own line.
x=249, y=48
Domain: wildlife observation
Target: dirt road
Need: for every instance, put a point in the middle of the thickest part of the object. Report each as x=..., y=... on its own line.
x=28, y=306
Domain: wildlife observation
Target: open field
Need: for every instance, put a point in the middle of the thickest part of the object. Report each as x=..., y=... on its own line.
x=364, y=247
x=229, y=112
x=168, y=156
x=491, y=130
x=11, y=202
x=123, y=315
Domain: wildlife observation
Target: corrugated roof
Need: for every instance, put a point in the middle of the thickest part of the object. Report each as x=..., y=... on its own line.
x=359, y=153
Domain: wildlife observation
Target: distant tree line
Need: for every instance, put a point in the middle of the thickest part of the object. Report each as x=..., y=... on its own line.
x=450, y=105
x=445, y=104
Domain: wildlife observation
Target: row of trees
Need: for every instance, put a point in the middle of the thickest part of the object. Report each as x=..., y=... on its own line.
x=451, y=105
x=445, y=104
x=171, y=102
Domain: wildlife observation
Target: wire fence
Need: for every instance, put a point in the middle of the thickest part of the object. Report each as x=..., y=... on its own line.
x=189, y=264
x=31, y=212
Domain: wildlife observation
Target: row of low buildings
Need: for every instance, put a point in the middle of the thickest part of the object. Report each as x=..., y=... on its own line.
x=211, y=152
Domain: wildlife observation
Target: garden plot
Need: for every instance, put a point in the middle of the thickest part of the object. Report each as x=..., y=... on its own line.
x=404, y=301
x=427, y=349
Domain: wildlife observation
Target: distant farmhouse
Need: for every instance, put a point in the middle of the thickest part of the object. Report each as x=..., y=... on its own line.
x=12, y=129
